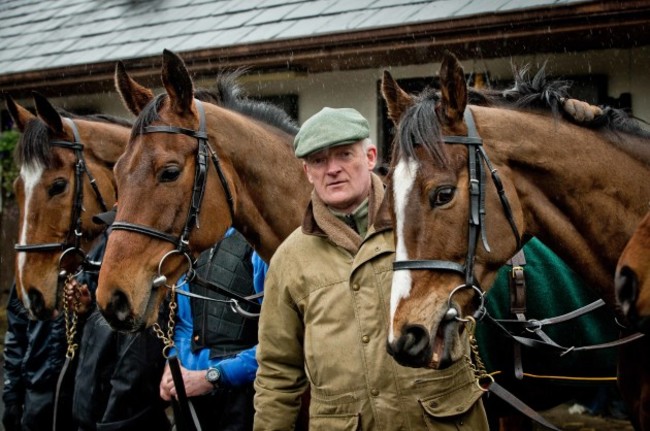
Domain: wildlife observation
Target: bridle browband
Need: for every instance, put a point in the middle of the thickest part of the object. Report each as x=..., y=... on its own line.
x=73, y=239
x=198, y=190
x=476, y=157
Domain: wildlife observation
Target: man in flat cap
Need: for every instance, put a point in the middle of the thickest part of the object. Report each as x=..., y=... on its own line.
x=325, y=314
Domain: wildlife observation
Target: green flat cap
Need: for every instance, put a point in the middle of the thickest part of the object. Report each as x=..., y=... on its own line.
x=330, y=128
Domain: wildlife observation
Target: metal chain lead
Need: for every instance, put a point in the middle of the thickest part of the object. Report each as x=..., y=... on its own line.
x=168, y=338
x=483, y=378
x=70, y=306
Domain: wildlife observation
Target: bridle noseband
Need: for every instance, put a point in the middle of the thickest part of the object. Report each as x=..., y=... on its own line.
x=476, y=157
x=72, y=243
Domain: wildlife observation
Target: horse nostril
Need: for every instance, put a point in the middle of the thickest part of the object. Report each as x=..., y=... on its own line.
x=118, y=307
x=412, y=348
x=416, y=340
x=627, y=292
x=37, y=304
x=627, y=289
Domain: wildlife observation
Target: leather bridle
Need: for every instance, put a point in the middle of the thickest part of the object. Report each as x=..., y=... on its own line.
x=198, y=190
x=476, y=157
x=72, y=243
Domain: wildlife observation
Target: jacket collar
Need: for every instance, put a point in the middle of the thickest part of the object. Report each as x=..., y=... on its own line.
x=320, y=221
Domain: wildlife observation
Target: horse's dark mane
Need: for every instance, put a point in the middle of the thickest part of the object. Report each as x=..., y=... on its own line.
x=232, y=96
x=540, y=93
x=229, y=95
x=417, y=128
x=33, y=146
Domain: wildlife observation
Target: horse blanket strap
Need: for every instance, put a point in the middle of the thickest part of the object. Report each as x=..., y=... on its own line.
x=515, y=402
x=184, y=413
x=517, y=284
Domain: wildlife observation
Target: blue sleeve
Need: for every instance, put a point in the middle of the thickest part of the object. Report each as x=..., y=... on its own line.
x=259, y=272
x=241, y=368
x=183, y=335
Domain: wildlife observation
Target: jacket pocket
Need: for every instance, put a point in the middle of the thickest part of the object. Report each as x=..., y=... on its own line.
x=342, y=422
x=460, y=409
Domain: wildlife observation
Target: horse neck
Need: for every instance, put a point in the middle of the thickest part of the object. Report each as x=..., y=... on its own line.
x=105, y=142
x=580, y=193
x=271, y=190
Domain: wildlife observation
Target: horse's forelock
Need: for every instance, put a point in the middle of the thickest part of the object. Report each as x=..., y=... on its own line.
x=33, y=147
x=419, y=126
x=148, y=115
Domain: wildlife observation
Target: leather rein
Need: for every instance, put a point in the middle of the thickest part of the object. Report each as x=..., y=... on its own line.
x=72, y=243
x=181, y=242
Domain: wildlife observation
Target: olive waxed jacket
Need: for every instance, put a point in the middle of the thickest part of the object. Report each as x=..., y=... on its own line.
x=324, y=324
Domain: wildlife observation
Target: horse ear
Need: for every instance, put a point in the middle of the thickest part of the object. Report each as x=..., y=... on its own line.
x=397, y=100
x=134, y=95
x=20, y=115
x=178, y=83
x=48, y=113
x=453, y=88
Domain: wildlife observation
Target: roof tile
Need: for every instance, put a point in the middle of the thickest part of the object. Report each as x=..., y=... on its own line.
x=45, y=34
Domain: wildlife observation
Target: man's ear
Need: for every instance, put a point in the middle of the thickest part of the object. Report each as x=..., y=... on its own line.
x=305, y=170
x=371, y=154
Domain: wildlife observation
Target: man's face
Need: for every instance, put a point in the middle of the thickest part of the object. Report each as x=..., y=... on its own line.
x=341, y=175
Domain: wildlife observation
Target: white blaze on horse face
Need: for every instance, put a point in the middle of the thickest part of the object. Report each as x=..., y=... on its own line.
x=403, y=180
x=31, y=175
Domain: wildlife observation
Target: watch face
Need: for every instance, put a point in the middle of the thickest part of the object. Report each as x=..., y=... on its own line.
x=213, y=375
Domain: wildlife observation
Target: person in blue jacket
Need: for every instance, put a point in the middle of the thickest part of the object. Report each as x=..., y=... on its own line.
x=215, y=345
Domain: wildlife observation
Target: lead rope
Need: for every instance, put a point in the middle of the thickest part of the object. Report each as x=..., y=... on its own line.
x=473, y=358
x=184, y=412
x=71, y=303
x=168, y=338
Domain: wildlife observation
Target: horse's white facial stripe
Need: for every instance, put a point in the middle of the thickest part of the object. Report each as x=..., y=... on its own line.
x=403, y=180
x=31, y=175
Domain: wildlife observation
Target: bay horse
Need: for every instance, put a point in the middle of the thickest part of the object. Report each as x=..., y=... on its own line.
x=633, y=277
x=471, y=184
x=190, y=170
x=66, y=176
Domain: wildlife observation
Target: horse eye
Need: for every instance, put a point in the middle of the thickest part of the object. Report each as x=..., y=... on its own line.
x=57, y=187
x=170, y=174
x=441, y=196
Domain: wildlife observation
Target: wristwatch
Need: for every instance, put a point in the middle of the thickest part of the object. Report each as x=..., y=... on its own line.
x=213, y=375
